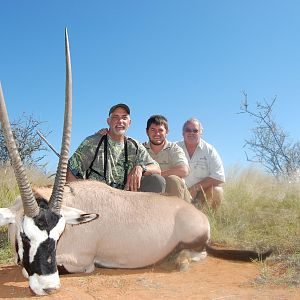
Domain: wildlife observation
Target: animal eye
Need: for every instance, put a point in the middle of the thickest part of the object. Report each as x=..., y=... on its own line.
x=49, y=260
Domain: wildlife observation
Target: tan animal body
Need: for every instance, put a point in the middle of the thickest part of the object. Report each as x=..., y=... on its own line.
x=133, y=230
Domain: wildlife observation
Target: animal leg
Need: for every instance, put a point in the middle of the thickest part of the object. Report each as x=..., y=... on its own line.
x=79, y=269
x=185, y=257
x=73, y=265
x=198, y=256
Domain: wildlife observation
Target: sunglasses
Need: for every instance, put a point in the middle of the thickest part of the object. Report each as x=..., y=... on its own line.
x=191, y=130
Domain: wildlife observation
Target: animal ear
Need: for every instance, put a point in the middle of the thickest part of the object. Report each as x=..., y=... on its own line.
x=74, y=216
x=6, y=216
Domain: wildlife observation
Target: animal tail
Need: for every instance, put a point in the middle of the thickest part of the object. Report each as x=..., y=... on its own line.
x=234, y=254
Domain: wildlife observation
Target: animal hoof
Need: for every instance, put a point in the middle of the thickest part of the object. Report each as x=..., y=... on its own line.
x=183, y=265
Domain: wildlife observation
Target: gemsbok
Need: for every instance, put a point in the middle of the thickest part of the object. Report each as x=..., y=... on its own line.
x=128, y=229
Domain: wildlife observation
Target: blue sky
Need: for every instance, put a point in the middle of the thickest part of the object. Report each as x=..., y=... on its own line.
x=182, y=59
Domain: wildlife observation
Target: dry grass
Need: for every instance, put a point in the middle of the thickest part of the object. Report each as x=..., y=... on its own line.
x=8, y=193
x=261, y=213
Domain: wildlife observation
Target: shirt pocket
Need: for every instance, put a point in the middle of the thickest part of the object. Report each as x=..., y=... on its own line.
x=200, y=168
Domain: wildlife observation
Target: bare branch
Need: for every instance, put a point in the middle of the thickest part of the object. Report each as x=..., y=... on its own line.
x=269, y=145
x=29, y=144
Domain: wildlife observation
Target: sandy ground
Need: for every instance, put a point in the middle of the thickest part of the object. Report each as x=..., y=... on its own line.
x=210, y=279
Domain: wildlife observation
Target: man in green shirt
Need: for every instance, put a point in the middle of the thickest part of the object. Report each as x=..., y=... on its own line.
x=116, y=159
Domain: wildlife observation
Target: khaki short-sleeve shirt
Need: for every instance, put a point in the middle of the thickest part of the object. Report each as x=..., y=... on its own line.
x=170, y=156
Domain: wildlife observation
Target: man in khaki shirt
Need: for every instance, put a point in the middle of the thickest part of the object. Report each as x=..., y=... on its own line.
x=171, y=158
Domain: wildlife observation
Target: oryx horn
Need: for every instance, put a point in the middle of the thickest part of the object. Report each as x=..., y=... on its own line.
x=31, y=208
x=60, y=178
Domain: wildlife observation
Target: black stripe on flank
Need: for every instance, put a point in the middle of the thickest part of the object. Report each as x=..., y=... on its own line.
x=62, y=270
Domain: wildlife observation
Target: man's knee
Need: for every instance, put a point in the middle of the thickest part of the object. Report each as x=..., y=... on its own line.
x=212, y=196
x=217, y=196
x=173, y=183
x=153, y=183
x=175, y=186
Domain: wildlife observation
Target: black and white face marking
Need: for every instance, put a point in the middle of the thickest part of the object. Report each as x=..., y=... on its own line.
x=37, y=249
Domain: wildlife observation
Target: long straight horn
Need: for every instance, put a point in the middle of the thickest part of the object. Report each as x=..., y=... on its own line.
x=31, y=208
x=60, y=178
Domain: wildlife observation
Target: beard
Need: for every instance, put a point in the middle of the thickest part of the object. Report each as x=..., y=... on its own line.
x=156, y=142
x=192, y=140
x=119, y=131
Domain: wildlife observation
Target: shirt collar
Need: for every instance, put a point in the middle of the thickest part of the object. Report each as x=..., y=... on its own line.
x=200, y=144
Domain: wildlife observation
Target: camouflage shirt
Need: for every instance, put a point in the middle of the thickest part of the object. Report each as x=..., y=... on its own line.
x=80, y=162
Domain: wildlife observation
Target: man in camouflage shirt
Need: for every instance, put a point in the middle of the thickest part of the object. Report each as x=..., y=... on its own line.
x=118, y=160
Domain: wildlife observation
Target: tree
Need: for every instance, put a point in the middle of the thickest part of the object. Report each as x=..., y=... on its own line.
x=28, y=142
x=270, y=144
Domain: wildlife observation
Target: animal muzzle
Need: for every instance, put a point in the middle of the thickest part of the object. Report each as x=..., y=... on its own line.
x=43, y=285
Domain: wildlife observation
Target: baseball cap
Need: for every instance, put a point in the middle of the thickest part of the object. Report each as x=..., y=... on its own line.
x=113, y=108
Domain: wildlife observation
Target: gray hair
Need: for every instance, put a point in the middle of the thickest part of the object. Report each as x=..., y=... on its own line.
x=195, y=121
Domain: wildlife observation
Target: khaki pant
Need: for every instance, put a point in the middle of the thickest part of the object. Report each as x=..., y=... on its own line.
x=175, y=186
x=211, y=196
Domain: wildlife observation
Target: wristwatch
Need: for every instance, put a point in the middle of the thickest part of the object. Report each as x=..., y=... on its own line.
x=144, y=169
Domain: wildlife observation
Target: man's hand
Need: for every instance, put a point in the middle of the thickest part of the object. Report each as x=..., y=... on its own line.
x=193, y=191
x=134, y=179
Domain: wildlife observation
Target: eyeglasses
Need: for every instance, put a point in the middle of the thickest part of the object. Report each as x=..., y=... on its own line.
x=191, y=130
